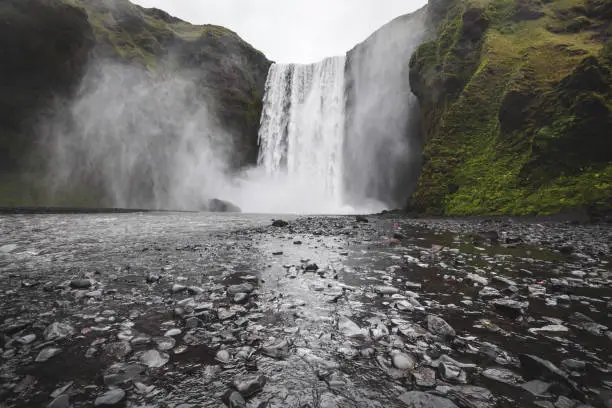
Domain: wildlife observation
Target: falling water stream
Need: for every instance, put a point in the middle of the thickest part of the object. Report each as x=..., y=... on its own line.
x=302, y=127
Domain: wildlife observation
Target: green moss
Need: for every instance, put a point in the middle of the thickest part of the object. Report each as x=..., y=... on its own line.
x=512, y=120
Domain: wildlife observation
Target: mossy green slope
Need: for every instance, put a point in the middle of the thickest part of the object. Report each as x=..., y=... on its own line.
x=516, y=102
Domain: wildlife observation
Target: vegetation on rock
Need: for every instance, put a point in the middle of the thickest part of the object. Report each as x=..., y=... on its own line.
x=516, y=102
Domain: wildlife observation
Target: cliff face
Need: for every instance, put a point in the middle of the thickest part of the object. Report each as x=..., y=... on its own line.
x=516, y=104
x=49, y=45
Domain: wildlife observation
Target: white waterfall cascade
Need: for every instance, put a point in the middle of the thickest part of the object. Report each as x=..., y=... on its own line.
x=302, y=132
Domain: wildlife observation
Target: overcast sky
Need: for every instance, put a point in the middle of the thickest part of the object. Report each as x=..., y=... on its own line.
x=292, y=30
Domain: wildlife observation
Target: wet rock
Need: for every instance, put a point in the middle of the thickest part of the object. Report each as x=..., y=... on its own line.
x=164, y=343
x=46, y=353
x=217, y=205
x=249, y=385
x=276, y=349
x=110, y=398
x=536, y=387
x=573, y=364
x=538, y=367
x=279, y=223
x=241, y=298
x=424, y=377
x=63, y=401
x=403, y=361
x=349, y=328
x=223, y=356
x=564, y=402
x=552, y=328
x=173, y=332
x=419, y=399
x=502, y=375
x=225, y=314
x=193, y=322
x=242, y=288
x=152, y=278
x=489, y=293
x=234, y=399
x=509, y=307
x=386, y=290
x=477, y=279
x=452, y=373
x=153, y=358
x=439, y=327
x=80, y=283
x=27, y=339
x=118, y=350
x=176, y=288
x=470, y=396
x=57, y=331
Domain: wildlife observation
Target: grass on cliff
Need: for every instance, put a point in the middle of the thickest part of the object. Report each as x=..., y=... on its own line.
x=472, y=167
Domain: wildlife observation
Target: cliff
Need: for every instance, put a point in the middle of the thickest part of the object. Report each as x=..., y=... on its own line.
x=49, y=45
x=516, y=107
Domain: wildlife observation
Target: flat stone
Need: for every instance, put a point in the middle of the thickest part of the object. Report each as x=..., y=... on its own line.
x=439, y=327
x=223, y=356
x=249, y=385
x=489, y=293
x=419, y=399
x=241, y=298
x=173, y=333
x=154, y=359
x=536, y=387
x=46, y=353
x=502, y=375
x=164, y=343
x=109, y=398
x=473, y=396
x=349, y=328
x=403, y=361
x=424, y=377
x=242, y=288
x=386, y=290
x=509, y=307
x=56, y=331
x=63, y=401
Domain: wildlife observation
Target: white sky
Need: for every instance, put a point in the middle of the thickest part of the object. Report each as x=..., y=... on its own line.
x=292, y=30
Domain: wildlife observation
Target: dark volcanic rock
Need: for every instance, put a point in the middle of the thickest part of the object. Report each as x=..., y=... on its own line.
x=418, y=399
x=439, y=327
x=279, y=223
x=216, y=205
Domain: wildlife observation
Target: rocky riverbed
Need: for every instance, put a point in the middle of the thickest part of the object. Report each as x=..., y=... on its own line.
x=197, y=310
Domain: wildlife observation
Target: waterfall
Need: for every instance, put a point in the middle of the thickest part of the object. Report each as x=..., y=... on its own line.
x=302, y=129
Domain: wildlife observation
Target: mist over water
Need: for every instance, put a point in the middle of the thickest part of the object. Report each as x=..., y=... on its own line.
x=334, y=136
x=382, y=148
x=142, y=142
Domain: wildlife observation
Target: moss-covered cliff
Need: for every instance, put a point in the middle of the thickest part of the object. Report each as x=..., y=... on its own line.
x=48, y=45
x=516, y=102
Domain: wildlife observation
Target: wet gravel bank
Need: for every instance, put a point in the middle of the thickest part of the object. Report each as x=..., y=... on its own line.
x=193, y=310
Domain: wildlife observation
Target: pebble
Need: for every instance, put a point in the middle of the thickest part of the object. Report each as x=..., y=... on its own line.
x=110, y=398
x=419, y=399
x=56, y=331
x=47, y=353
x=439, y=327
x=154, y=359
x=63, y=401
